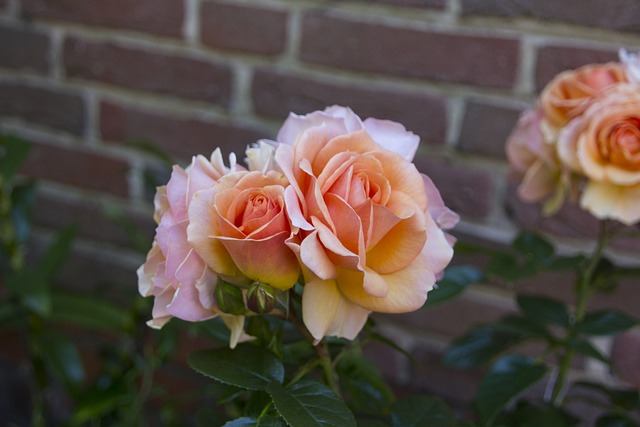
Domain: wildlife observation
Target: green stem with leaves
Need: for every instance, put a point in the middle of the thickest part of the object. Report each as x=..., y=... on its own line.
x=330, y=375
x=584, y=290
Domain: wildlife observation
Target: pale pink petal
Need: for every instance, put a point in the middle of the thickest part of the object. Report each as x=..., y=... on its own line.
x=444, y=217
x=605, y=200
x=295, y=126
x=313, y=256
x=186, y=304
x=393, y=136
x=206, y=285
x=326, y=312
x=567, y=146
x=539, y=181
x=177, y=193
x=149, y=269
x=292, y=204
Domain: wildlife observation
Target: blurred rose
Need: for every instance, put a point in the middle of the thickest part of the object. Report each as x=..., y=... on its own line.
x=173, y=273
x=631, y=63
x=239, y=228
x=368, y=238
x=604, y=145
x=571, y=92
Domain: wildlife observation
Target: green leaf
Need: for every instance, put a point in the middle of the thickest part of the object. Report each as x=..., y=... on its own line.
x=456, y=279
x=417, y=411
x=529, y=414
x=510, y=267
x=254, y=422
x=544, y=310
x=310, y=404
x=56, y=253
x=229, y=297
x=605, y=322
x=23, y=200
x=585, y=347
x=507, y=378
x=362, y=383
x=246, y=366
x=63, y=358
x=479, y=345
x=32, y=291
x=100, y=400
x=615, y=420
x=566, y=262
x=525, y=327
x=625, y=399
x=91, y=313
x=533, y=246
x=13, y=152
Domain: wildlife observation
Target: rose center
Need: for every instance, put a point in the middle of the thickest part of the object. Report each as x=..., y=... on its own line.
x=624, y=148
x=256, y=207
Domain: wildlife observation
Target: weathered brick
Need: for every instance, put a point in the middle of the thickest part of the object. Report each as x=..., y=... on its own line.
x=78, y=167
x=92, y=219
x=147, y=71
x=24, y=48
x=434, y=4
x=626, y=357
x=369, y=47
x=486, y=127
x=622, y=15
x=244, y=28
x=58, y=109
x=276, y=94
x=555, y=59
x=181, y=137
x=466, y=190
x=163, y=17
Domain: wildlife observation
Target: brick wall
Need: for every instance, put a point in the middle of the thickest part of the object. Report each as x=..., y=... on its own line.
x=81, y=78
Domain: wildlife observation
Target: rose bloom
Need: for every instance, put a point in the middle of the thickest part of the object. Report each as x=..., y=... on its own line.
x=571, y=92
x=239, y=227
x=603, y=145
x=182, y=284
x=370, y=223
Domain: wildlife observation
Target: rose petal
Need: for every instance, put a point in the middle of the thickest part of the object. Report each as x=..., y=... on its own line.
x=393, y=136
x=605, y=200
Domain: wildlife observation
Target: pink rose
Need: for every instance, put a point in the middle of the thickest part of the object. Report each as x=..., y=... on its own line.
x=603, y=145
x=533, y=158
x=174, y=273
x=239, y=227
x=368, y=240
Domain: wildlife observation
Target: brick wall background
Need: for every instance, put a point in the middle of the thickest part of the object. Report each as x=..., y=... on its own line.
x=81, y=78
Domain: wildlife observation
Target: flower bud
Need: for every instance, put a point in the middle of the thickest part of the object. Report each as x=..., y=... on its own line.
x=229, y=298
x=261, y=298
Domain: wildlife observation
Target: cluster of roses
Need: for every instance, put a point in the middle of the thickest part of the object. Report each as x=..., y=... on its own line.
x=335, y=204
x=583, y=141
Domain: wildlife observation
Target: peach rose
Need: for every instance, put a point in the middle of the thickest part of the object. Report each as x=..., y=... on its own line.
x=173, y=272
x=239, y=228
x=603, y=145
x=572, y=91
x=368, y=240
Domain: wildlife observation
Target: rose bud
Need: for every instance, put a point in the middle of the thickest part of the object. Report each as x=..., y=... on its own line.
x=261, y=298
x=229, y=298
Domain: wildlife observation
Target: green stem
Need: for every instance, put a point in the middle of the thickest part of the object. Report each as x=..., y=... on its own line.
x=584, y=289
x=322, y=349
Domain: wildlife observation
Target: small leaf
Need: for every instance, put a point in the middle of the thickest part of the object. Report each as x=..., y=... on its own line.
x=23, y=200
x=99, y=401
x=479, y=345
x=417, y=411
x=533, y=246
x=525, y=327
x=566, y=262
x=456, y=279
x=605, y=322
x=246, y=366
x=544, y=310
x=588, y=349
x=32, y=291
x=507, y=378
x=13, y=152
x=64, y=359
x=529, y=414
x=310, y=404
x=89, y=312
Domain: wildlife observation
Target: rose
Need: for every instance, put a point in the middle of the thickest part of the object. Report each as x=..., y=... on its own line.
x=368, y=241
x=572, y=91
x=603, y=145
x=173, y=272
x=239, y=228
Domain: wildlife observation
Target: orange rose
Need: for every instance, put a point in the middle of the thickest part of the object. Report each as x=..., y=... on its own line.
x=571, y=92
x=604, y=146
x=239, y=228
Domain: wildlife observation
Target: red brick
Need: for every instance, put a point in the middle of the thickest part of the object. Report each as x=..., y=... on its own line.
x=277, y=94
x=243, y=28
x=91, y=218
x=24, y=48
x=369, y=47
x=486, y=127
x=181, y=137
x=466, y=190
x=58, y=109
x=622, y=15
x=555, y=59
x=626, y=357
x=147, y=71
x=163, y=17
x=78, y=167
